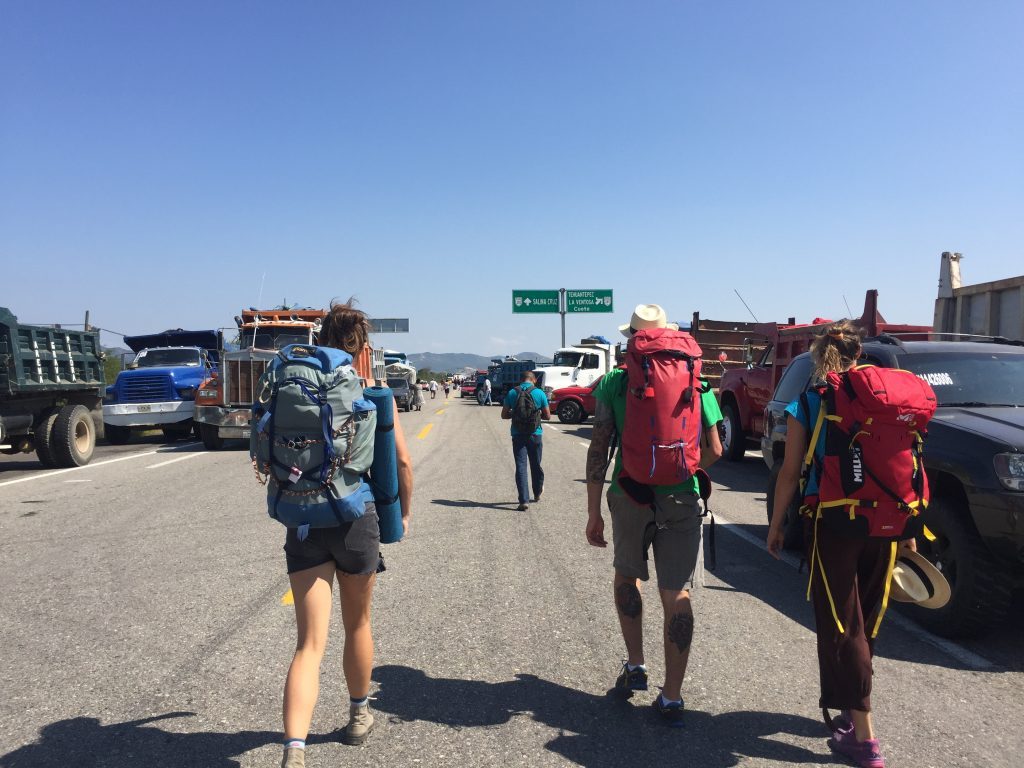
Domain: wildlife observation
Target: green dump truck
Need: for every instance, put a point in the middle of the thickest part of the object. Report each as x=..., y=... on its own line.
x=51, y=392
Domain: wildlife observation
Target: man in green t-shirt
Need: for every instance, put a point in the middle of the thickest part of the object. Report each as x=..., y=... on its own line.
x=671, y=525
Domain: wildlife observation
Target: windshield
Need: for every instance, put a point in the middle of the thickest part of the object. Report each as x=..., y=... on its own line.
x=159, y=358
x=567, y=359
x=268, y=339
x=974, y=379
x=398, y=383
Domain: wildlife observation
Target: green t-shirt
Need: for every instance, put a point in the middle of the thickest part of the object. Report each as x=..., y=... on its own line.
x=612, y=392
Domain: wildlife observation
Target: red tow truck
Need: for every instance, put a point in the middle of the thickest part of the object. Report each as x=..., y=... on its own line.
x=751, y=358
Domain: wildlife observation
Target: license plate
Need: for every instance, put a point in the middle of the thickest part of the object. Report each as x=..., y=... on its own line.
x=246, y=432
x=145, y=408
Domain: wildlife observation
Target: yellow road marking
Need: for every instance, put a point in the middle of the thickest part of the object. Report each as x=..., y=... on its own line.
x=425, y=431
x=288, y=599
x=440, y=411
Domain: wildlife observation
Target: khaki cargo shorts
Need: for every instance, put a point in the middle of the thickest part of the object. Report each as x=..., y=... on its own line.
x=673, y=529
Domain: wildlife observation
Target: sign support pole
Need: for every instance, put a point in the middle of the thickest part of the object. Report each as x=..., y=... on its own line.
x=561, y=311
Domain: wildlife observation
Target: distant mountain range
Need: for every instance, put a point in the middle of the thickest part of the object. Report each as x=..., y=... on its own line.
x=455, y=361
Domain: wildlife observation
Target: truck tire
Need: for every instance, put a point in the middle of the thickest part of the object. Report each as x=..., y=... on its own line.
x=570, y=412
x=116, y=434
x=981, y=591
x=211, y=440
x=734, y=441
x=74, y=436
x=794, y=528
x=43, y=440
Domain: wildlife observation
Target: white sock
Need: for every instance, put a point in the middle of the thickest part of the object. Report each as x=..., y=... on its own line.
x=295, y=744
x=359, y=702
x=665, y=702
x=634, y=667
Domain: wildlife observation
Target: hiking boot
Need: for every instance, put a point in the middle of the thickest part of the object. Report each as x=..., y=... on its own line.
x=536, y=496
x=864, y=754
x=294, y=758
x=522, y=508
x=630, y=680
x=671, y=714
x=360, y=724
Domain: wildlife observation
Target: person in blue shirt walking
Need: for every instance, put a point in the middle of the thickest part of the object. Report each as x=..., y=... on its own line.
x=526, y=406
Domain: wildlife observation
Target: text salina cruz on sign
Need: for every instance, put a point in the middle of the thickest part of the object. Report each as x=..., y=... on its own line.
x=535, y=301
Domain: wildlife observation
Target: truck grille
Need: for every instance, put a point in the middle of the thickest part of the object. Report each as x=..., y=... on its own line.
x=144, y=389
x=243, y=375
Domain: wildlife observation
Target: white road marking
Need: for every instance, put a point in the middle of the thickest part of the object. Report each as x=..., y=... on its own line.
x=180, y=458
x=585, y=445
x=43, y=475
x=967, y=658
x=78, y=481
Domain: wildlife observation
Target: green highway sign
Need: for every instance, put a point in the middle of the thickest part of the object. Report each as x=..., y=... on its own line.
x=589, y=301
x=535, y=301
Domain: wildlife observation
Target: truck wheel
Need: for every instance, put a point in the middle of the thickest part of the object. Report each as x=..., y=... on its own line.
x=116, y=434
x=74, y=436
x=570, y=412
x=981, y=591
x=794, y=526
x=43, y=440
x=211, y=440
x=734, y=442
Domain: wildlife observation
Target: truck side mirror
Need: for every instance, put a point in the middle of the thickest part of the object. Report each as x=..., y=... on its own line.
x=132, y=365
x=748, y=353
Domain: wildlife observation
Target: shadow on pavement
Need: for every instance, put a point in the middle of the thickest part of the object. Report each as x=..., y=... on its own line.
x=583, y=433
x=596, y=731
x=749, y=475
x=507, y=506
x=84, y=741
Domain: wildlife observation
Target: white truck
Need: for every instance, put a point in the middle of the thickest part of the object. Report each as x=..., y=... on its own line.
x=579, y=365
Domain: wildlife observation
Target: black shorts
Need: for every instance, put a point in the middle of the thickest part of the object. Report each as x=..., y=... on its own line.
x=353, y=547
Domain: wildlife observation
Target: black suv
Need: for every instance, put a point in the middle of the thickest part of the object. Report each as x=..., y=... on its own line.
x=974, y=455
x=402, y=392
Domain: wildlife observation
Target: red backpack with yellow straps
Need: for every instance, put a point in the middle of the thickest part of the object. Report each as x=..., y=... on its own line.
x=871, y=480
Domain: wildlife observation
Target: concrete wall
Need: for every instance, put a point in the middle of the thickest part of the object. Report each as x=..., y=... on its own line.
x=985, y=309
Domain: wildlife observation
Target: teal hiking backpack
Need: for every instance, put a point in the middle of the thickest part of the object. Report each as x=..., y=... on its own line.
x=312, y=438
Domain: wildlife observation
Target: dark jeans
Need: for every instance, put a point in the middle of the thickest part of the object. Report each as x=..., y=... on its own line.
x=528, y=448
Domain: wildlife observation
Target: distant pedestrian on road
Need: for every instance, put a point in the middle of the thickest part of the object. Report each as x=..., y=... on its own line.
x=433, y=389
x=668, y=520
x=447, y=388
x=487, y=391
x=527, y=405
x=349, y=552
x=847, y=609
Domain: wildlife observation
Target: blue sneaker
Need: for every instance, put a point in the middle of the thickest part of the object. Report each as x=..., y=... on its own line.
x=630, y=680
x=671, y=713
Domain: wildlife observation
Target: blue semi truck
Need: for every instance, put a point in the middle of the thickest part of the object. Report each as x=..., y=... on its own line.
x=158, y=389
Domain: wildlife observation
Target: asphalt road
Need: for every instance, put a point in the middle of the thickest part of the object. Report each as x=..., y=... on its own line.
x=142, y=623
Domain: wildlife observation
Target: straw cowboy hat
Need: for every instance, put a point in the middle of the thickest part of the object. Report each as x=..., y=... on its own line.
x=916, y=580
x=647, y=316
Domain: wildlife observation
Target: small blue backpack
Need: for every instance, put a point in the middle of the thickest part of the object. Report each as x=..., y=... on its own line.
x=312, y=439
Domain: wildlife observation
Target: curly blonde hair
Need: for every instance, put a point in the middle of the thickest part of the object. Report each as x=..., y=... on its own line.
x=345, y=327
x=836, y=349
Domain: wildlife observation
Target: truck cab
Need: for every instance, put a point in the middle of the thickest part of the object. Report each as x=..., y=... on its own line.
x=580, y=365
x=158, y=388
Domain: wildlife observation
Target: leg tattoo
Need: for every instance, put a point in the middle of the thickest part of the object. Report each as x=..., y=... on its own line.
x=628, y=600
x=680, y=631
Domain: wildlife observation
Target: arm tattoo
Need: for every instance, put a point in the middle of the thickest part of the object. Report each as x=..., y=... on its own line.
x=628, y=601
x=600, y=440
x=680, y=631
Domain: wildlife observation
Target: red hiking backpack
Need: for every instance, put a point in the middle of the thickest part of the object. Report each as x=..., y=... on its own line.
x=871, y=481
x=660, y=443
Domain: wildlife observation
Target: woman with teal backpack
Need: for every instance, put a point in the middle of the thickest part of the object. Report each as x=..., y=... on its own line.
x=351, y=553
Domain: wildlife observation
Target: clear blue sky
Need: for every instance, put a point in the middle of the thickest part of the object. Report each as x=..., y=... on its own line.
x=156, y=159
